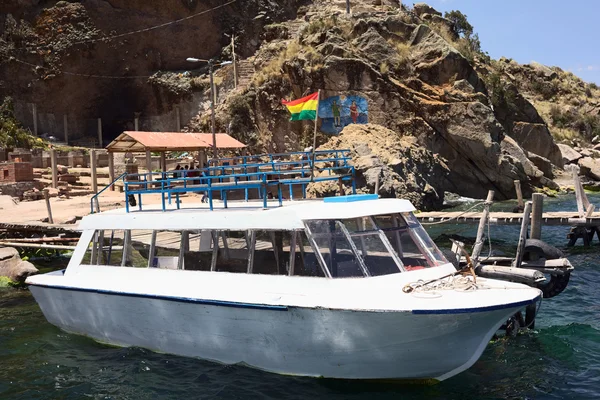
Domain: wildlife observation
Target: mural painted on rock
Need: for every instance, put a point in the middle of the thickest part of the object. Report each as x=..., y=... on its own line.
x=338, y=111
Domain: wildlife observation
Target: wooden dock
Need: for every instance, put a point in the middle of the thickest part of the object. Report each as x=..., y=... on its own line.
x=562, y=218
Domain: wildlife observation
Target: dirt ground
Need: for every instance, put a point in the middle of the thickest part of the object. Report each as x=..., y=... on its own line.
x=63, y=210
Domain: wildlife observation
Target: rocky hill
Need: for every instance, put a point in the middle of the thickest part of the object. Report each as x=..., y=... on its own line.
x=474, y=123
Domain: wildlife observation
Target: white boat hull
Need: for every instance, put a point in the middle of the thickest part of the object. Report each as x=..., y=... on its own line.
x=307, y=341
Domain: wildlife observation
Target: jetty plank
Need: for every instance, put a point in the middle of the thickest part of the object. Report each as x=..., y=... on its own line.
x=566, y=218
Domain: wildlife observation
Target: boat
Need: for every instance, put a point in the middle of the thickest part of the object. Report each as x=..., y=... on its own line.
x=345, y=287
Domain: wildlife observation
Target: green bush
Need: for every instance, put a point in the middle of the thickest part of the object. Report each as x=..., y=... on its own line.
x=12, y=133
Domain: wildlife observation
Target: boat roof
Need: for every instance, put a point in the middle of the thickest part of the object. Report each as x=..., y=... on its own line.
x=241, y=216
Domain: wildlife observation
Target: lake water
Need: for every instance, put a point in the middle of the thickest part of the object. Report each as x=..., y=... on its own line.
x=558, y=360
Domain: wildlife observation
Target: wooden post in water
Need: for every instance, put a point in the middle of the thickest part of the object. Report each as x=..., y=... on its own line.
x=47, y=198
x=519, y=194
x=536, y=216
x=54, y=166
x=523, y=236
x=93, y=171
x=481, y=229
x=111, y=169
x=177, y=119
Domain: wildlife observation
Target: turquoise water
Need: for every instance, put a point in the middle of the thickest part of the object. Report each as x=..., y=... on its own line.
x=559, y=360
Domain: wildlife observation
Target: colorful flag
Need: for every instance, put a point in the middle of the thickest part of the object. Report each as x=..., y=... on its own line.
x=304, y=108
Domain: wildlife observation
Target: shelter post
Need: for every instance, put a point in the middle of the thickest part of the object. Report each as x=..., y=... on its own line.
x=149, y=164
x=163, y=161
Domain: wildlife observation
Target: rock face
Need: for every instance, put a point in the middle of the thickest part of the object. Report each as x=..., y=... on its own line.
x=590, y=167
x=437, y=62
x=424, y=8
x=537, y=139
x=12, y=267
x=468, y=136
x=403, y=169
x=569, y=155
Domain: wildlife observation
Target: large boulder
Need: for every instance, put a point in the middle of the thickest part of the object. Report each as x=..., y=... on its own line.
x=569, y=155
x=12, y=267
x=536, y=138
x=543, y=164
x=590, y=167
x=510, y=147
x=403, y=169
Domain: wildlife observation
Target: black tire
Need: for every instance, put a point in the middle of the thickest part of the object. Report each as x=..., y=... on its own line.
x=541, y=249
x=555, y=285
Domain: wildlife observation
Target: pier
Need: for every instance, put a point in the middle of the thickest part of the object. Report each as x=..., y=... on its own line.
x=560, y=218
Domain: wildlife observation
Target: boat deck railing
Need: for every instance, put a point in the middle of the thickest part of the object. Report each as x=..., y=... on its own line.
x=261, y=173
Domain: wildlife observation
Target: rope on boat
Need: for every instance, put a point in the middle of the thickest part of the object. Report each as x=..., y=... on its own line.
x=457, y=283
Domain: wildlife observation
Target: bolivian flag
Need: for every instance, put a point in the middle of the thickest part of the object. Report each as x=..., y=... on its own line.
x=304, y=108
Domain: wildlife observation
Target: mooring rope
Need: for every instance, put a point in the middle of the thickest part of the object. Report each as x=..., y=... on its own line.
x=455, y=217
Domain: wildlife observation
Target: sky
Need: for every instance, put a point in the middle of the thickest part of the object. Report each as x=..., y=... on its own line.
x=552, y=32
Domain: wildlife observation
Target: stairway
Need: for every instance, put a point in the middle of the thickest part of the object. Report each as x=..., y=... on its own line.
x=245, y=71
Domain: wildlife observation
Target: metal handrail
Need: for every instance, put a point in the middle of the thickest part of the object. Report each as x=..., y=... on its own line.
x=95, y=197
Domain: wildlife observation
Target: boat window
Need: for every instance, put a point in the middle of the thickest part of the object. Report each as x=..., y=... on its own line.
x=206, y=250
x=373, y=245
x=423, y=241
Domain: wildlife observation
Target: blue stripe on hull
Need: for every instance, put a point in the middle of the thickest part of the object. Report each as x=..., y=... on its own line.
x=171, y=298
x=477, y=309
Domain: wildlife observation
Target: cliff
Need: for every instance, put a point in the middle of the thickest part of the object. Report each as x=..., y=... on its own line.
x=478, y=123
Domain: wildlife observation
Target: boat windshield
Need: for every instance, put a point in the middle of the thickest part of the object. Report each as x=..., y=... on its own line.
x=373, y=245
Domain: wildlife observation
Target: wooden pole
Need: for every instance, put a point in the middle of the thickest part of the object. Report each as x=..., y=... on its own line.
x=149, y=164
x=536, y=216
x=136, y=123
x=93, y=171
x=523, y=236
x=54, y=166
x=347, y=7
x=235, y=77
x=481, y=228
x=66, y=128
x=314, y=147
x=100, y=142
x=163, y=162
x=111, y=169
x=35, y=120
x=177, y=119
x=377, y=184
x=47, y=198
x=519, y=193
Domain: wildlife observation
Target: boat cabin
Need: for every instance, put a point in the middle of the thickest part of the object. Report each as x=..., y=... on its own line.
x=338, y=237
